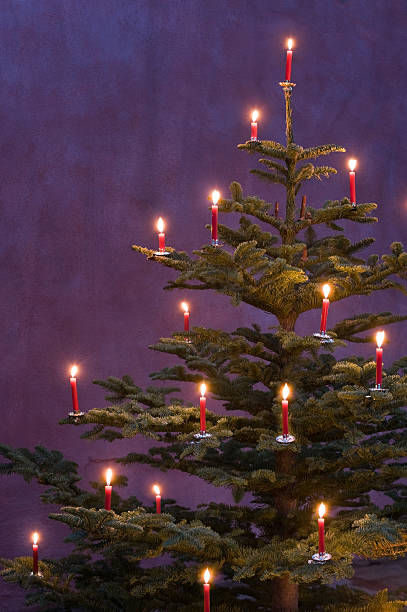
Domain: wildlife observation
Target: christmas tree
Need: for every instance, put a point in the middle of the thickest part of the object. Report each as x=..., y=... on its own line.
x=346, y=432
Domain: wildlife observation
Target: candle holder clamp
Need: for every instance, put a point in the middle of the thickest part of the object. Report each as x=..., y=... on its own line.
x=76, y=416
x=320, y=558
x=285, y=439
x=323, y=337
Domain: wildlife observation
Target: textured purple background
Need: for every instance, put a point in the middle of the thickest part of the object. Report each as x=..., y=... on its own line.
x=116, y=111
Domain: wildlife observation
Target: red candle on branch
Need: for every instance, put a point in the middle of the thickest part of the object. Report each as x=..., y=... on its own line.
x=289, y=61
x=108, y=490
x=321, y=529
x=35, y=553
x=253, y=125
x=202, y=405
x=379, y=357
x=207, y=577
x=157, y=492
x=161, y=235
x=284, y=405
x=185, y=308
x=352, y=180
x=326, y=289
x=74, y=389
x=215, y=200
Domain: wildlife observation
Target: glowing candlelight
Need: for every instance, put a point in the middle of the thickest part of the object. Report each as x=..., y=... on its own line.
x=352, y=180
x=321, y=528
x=284, y=405
x=35, y=553
x=74, y=389
x=161, y=235
x=108, y=489
x=289, y=60
x=202, y=406
x=157, y=492
x=206, y=577
x=379, y=357
x=185, y=308
x=326, y=290
x=215, y=200
x=255, y=115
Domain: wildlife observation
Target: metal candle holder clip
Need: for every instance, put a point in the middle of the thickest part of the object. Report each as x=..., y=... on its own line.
x=76, y=416
x=285, y=439
x=287, y=85
x=320, y=558
x=323, y=337
x=376, y=389
x=202, y=435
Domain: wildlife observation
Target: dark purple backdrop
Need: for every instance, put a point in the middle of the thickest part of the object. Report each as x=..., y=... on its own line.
x=116, y=111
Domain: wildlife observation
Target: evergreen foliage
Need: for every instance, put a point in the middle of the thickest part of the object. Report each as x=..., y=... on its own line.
x=346, y=443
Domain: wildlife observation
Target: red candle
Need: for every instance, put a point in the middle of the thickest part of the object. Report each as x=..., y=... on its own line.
x=352, y=180
x=161, y=235
x=253, y=125
x=215, y=200
x=157, y=498
x=379, y=358
x=202, y=402
x=108, y=490
x=207, y=577
x=284, y=404
x=185, y=308
x=321, y=529
x=74, y=389
x=289, y=60
x=326, y=289
x=35, y=553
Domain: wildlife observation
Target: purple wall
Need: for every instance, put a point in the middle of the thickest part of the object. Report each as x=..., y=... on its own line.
x=116, y=111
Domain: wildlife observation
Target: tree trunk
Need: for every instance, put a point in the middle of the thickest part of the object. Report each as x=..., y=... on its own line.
x=288, y=322
x=285, y=592
x=285, y=595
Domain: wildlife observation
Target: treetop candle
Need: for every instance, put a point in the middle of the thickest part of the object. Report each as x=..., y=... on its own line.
x=289, y=60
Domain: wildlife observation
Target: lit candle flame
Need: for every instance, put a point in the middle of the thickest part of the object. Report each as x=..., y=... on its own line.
x=215, y=196
x=255, y=115
x=326, y=290
x=184, y=306
x=35, y=538
x=203, y=389
x=156, y=490
x=286, y=391
x=160, y=225
x=290, y=44
x=321, y=510
x=74, y=371
x=207, y=575
x=379, y=338
x=109, y=475
x=352, y=164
